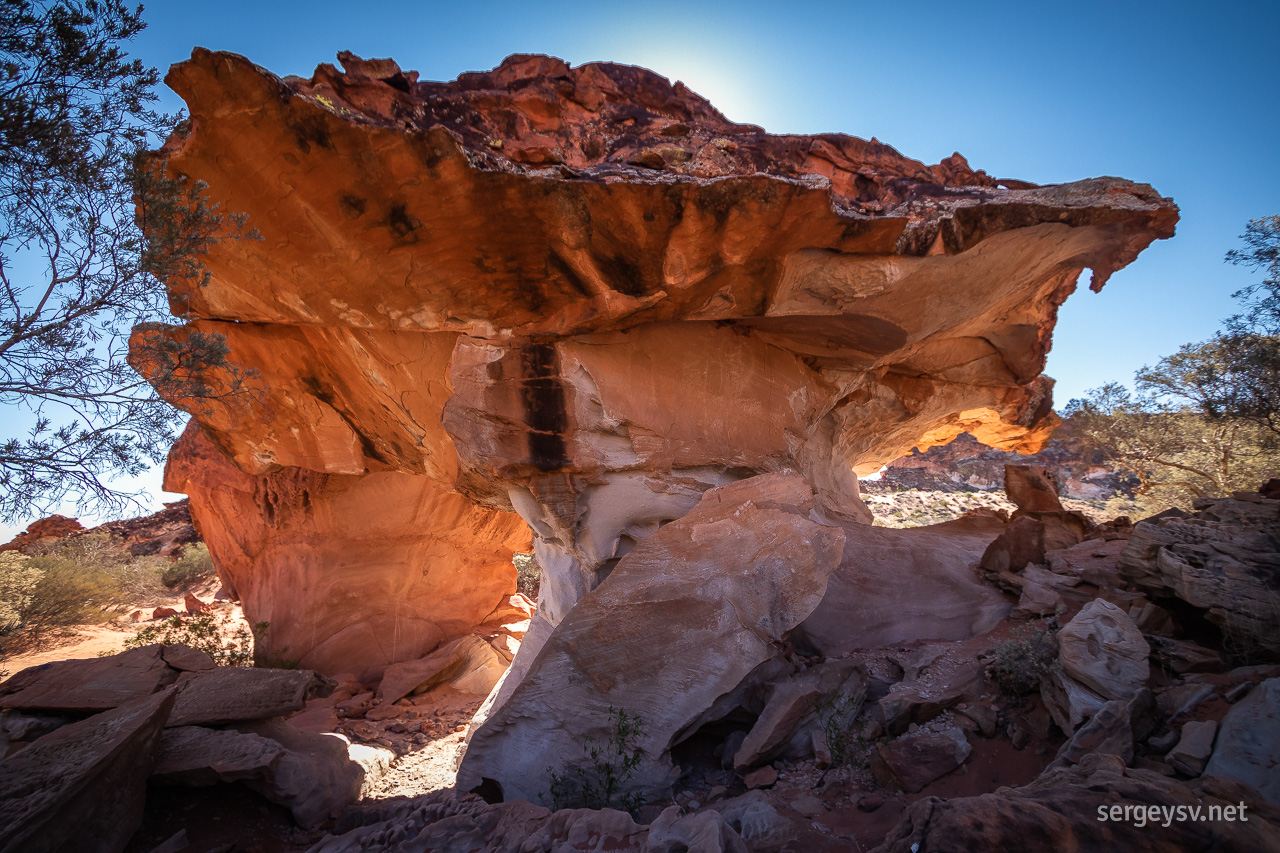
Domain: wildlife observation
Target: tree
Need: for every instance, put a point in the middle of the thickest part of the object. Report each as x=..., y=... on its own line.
x=79, y=266
x=1236, y=374
x=1175, y=451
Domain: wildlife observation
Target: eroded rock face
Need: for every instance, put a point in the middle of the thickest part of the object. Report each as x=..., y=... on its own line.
x=348, y=573
x=678, y=625
x=582, y=295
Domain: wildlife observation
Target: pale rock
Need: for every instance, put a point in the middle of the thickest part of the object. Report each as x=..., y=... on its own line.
x=469, y=664
x=682, y=620
x=870, y=604
x=1104, y=651
x=1194, y=748
x=314, y=777
x=1248, y=744
x=1068, y=701
x=1115, y=729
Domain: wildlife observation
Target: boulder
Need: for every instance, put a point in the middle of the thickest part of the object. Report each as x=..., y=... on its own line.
x=315, y=775
x=1017, y=546
x=795, y=711
x=469, y=664
x=1063, y=811
x=920, y=700
x=1222, y=559
x=1190, y=755
x=1068, y=701
x=1183, y=656
x=1248, y=743
x=1031, y=488
x=912, y=762
x=187, y=659
x=82, y=787
x=681, y=621
x=196, y=756
x=230, y=694
x=1115, y=729
x=1104, y=651
x=867, y=604
x=94, y=684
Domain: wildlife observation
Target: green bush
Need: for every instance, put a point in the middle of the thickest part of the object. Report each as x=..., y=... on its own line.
x=193, y=567
x=202, y=633
x=597, y=782
x=1018, y=663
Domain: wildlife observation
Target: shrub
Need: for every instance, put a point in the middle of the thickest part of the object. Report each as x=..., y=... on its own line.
x=18, y=580
x=202, y=633
x=1018, y=663
x=598, y=782
x=193, y=567
x=528, y=575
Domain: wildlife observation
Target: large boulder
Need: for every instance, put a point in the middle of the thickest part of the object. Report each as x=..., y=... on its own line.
x=1248, y=743
x=88, y=685
x=1225, y=558
x=1103, y=650
x=896, y=586
x=82, y=787
x=678, y=624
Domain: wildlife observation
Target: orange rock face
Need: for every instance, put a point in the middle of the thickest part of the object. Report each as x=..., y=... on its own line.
x=345, y=573
x=584, y=295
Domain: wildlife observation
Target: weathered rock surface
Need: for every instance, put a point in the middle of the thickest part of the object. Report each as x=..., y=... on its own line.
x=1116, y=728
x=229, y=694
x=349, y=573
x=448, y=821
x=469, y=664
x=1031, y=488
x=1059, y=813
x=714, y=591
x=795, y=708
x=895, y=586
x=1103, y=650
x=82, y=787
x=93, y=684
x=686, y=302
x=912, y=762
x=1190, y=755
x=1225, y=558
x=1248, y=743
x=192, y=755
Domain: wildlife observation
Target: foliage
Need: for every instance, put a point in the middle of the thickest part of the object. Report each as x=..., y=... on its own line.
x=79, y=266
x=204, y=633
x=194, y=566
x=1176, y=452
x=1018, y=663
x=528, y=575
x=598, y=782
x=836, y=715
x=18, y=580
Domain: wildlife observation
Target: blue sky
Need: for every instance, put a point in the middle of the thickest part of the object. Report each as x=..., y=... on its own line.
x=1181, y=95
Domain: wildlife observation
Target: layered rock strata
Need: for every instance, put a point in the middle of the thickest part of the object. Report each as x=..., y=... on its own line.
x=580, y=297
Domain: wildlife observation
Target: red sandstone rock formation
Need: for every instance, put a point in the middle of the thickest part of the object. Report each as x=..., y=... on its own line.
x=582, y=294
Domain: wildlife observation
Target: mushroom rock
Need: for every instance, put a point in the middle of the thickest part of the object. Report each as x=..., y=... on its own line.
x=585, y=296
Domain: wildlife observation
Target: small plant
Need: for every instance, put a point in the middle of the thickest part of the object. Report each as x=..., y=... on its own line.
x=195, y=565
x=202, y=633
x=598, y=782
x=1018, y=663
x=836, y=715
x=528, y=575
